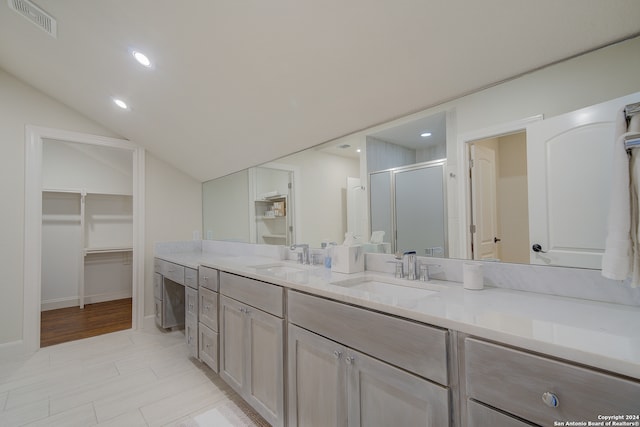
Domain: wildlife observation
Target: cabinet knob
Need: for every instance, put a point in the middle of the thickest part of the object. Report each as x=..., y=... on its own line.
x=350, y=360
x=550, y=399
x=337, y=354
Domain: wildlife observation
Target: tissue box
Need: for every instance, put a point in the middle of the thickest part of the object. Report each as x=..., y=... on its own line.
x=347, y=259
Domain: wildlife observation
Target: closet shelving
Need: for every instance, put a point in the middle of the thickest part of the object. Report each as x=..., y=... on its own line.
x=102, y=223
x=271, y=220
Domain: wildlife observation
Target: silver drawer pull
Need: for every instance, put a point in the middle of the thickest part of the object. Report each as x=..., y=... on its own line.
x=550, y=399
x=205, y=278
x=337, y=354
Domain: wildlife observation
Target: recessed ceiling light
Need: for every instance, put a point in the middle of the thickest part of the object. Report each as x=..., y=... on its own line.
x=425, y=134
x=120, y=103
x=141, y=58
x=358, y=150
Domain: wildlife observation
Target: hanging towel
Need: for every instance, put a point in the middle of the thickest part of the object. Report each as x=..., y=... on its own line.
x=622, y=251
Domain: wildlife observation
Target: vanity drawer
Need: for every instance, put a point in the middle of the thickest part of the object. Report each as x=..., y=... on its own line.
x=208, y=278
x=208, y=343
x=174, y=272
x=265, y=296
x=208, y=308
x=479, y=415
x=191, y=277
x=515, y=382
x=413, y=346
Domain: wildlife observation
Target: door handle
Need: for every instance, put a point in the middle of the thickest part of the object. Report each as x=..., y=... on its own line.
x=537, y=248
x=496, y=240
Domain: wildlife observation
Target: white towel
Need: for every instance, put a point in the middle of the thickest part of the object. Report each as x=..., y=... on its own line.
x=622, y=251
x=616, y=261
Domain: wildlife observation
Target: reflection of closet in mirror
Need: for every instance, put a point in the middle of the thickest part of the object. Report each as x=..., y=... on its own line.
x=499, y=206
x=273, y=207
x=409, y=205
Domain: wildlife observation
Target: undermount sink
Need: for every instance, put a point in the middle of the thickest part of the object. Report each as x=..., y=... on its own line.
x=384, y=289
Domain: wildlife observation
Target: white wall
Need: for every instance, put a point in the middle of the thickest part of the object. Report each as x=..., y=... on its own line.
x=173, y=207
x=81, y=166
x=21, y=105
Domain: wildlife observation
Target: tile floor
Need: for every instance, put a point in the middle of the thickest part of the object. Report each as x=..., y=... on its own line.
x=128, y=378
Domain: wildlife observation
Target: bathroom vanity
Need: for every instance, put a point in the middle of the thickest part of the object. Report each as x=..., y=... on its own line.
x=430, y=354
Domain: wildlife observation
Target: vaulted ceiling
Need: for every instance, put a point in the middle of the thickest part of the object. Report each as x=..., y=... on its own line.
x=237, y=83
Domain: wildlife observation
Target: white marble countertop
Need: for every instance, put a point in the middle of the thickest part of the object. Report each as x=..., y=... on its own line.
x=602, y=335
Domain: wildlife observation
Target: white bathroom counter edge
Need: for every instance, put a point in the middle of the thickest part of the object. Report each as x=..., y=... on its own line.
x=600, y=335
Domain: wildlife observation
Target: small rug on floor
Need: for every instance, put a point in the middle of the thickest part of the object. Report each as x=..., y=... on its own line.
x=228, y=414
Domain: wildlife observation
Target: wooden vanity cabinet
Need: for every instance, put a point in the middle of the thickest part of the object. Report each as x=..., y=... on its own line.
x=208, y=317
x=332, y=381
x=191, y=310
x=538, y=389
x=252, y=343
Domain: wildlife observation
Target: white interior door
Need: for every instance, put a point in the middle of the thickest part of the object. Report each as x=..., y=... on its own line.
x=569, y=164
x=484, y=202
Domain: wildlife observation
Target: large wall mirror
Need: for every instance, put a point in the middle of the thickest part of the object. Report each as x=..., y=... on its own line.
x=484, y=212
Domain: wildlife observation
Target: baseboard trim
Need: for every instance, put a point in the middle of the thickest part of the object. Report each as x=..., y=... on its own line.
x=12, y=349
x=149, y=322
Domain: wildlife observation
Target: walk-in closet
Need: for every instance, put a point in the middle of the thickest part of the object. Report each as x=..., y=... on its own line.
x=87, y=240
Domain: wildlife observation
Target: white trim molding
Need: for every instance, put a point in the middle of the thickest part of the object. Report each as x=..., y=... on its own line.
x=34, y=136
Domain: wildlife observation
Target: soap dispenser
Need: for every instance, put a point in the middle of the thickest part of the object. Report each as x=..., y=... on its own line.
x=328, y=252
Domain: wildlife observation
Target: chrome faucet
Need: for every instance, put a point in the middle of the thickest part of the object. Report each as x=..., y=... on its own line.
x=303, y=257
x=410, y=260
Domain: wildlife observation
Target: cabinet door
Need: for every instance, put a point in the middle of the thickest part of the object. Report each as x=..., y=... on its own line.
x=191, y=335
x=317, y=380
x=232, y=343
x=191, y=302
x=208, y=308
x=265, y=365
x=383, y=395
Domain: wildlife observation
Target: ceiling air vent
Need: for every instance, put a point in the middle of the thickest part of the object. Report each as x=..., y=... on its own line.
x=37, y=16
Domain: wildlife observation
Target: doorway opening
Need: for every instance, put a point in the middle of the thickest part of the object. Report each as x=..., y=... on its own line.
x=498, y=187
x=86, y=206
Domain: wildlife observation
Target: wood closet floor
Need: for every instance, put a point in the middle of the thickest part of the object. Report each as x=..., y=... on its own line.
x=69, y=324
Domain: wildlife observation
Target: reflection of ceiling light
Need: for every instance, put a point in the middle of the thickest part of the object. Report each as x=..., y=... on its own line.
x=141, y=58
x=120, y=103
x=425, y=134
